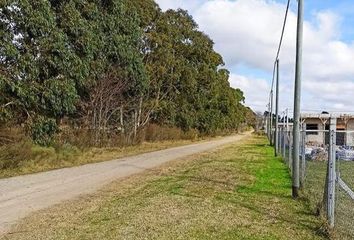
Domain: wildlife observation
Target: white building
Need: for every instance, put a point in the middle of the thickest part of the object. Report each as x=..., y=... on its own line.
x=320, y=122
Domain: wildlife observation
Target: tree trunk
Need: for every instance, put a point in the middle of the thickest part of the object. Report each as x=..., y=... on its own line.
x=135, y=118
x=122, y=119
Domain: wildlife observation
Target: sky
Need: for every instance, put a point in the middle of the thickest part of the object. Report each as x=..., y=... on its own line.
x=246, y=33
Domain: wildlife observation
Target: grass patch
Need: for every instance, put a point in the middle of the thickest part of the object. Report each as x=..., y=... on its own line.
x=239, y=192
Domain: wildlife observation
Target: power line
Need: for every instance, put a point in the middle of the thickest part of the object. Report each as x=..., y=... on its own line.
x=281, y=38
x=283, y=30
x=276, y=66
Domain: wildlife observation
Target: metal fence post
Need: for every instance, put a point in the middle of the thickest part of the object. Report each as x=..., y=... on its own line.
x=268, y=122
x=284, y=135
x=331, y=175
x=303, y=155
x=280, y=144
x=288, y=133
x=291, y=151
x=271, y=118
x=278, y=141
x=281, y=141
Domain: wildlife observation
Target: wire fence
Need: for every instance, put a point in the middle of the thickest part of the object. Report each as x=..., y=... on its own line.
x=326, y=172
x=324, y=163
x=344, y=214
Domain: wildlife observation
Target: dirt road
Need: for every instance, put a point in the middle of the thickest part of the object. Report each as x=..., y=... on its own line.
x=19, y=196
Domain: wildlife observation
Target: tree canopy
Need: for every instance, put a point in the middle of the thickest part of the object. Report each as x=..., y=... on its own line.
x=110, y=64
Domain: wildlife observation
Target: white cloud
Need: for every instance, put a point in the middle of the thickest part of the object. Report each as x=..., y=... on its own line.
x=255, y=89
x=190, y=5
x=246, y=32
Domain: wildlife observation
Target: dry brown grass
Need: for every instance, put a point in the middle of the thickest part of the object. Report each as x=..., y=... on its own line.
x=74, y=147
x=25, y=158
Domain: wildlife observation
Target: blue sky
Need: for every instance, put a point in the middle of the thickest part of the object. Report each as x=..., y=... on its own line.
x=246, y=33
x=343, y=8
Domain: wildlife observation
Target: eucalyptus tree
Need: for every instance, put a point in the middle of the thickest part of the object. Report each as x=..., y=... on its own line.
x=37, y=65
x=113, y=65
x=54, y=54
x=107, y=37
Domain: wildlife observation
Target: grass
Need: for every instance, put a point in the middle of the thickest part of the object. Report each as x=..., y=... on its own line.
x=238, y=192
x=26, y=158
x=314, y=190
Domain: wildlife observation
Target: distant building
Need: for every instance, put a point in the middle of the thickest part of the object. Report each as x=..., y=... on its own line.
x=320, y=122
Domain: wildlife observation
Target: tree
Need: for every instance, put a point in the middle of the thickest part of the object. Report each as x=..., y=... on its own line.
x=37, y=63
x=112, y=66
x=190, y=87
x=56, y=52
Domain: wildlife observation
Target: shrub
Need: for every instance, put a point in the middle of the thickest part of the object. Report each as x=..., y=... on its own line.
x=42, y=131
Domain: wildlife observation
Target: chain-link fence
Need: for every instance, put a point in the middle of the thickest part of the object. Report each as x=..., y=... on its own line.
x=326, y=172
x=285, y=146
x=344, y=208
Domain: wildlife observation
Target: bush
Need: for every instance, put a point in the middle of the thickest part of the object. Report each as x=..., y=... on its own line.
x=42, y=131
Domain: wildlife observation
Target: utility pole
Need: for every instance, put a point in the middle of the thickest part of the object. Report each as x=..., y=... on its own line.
x=276, y=144
x=297, y=101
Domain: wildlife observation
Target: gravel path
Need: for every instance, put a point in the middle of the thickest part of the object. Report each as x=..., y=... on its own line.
x=19, y=196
